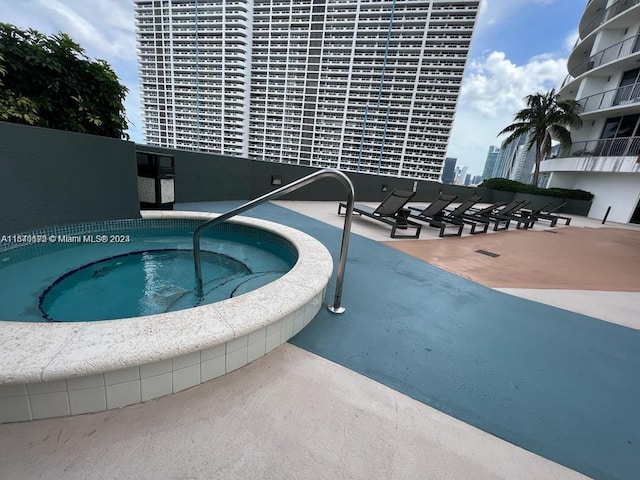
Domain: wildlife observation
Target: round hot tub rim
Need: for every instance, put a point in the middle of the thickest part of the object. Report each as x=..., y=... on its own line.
x=50, y=352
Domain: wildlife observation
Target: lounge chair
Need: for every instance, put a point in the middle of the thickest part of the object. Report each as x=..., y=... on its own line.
x=481, y=215
x=485, y=210
x=464, y=208
x=512, y=212
x=435, y=215
x=548, y=213
x=390, y=211
x=502, y=215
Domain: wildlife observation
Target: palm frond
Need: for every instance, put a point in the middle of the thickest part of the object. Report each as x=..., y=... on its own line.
x=561, y=134
x=546, y=117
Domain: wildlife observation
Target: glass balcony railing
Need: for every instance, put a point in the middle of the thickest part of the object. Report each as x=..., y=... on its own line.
x=609, y=54
x=604, y=147
x=611, y=98
x=567, y=80
x=607, y=14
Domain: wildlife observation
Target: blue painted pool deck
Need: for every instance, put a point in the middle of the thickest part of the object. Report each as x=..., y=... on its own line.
x=562, y=385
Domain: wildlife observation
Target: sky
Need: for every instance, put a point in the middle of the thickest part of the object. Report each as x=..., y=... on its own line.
x=519, y=47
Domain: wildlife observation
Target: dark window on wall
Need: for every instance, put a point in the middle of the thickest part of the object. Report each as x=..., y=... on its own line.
x=630, y=77
x=628, y=125
x=629, y=89
x=617, y=127
x=618, y=136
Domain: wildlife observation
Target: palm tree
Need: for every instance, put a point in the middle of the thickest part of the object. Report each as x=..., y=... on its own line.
x=545, y=118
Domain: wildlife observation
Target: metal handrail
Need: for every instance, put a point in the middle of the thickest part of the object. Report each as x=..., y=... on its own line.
x=606, y=55
x=603, y=147
x=611, y=98
x=607, y=14
x=326, y=172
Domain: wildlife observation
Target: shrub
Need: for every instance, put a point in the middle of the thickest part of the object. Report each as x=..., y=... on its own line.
x=505, y=185
x=48, y=81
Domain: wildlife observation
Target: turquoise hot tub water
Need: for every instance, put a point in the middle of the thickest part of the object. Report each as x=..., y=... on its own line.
x=131, y=268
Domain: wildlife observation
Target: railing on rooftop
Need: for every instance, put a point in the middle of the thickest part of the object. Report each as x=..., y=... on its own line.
x=609, y=54
x=336, y=307
x=604, y=147
x=611, y=98
x=607, y=14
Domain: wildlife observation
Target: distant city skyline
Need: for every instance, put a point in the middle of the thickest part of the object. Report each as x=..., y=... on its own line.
x=509, y=57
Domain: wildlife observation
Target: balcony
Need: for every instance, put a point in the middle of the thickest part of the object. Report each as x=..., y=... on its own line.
x=610, y=54
x=605, y=147
x=606, y=15
x=629, y=94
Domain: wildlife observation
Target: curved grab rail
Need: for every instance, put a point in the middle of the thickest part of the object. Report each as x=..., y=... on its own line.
x=326, y=172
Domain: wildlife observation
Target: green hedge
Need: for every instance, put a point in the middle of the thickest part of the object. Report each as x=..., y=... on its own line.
x=506, y=185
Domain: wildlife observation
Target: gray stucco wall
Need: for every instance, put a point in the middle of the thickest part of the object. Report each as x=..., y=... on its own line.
x=51, y=177
x=575, y=207
x=207, y=177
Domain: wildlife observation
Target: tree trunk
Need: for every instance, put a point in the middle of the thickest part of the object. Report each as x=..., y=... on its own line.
x=536, y=169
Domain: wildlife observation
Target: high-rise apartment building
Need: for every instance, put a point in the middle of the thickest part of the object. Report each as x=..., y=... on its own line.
x=605, y=79
x=490, y=162
x=513, y=161
x=449, y=170
x=506, y=157
x=461, y=175
x=523, y=164
x=366, y=85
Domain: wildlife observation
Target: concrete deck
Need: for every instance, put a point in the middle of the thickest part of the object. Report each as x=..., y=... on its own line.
x=294, y=414
x=587, y=268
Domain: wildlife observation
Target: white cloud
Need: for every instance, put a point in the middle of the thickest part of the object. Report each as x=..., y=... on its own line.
x=495, y=11
x=570, y=40
x=492, y=92
x=104, y=28
x=494, y=85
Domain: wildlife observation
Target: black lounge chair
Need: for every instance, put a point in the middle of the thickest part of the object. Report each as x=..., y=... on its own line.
x=463, y=209
x=512, y=212
x=482, y=215
x=390, y=211
x=502, y=216
x=486, y=210
x=548, y=213
x=435, y=215
x=527, y=218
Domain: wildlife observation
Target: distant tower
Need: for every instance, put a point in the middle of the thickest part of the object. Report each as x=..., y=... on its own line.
x=506, y=159
x=449, y=171
x=489, y=164
x=461, y=175
x=522, y=170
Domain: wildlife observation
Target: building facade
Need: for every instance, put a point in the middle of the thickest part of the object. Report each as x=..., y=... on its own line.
x=520, y=166
x=461, y=175
x=605, y=79
x=505, y=159
x=449, y=170
x=368, y=86
x=490, y=162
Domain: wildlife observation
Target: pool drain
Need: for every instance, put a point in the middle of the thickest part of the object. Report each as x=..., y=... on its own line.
x=488, y=254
